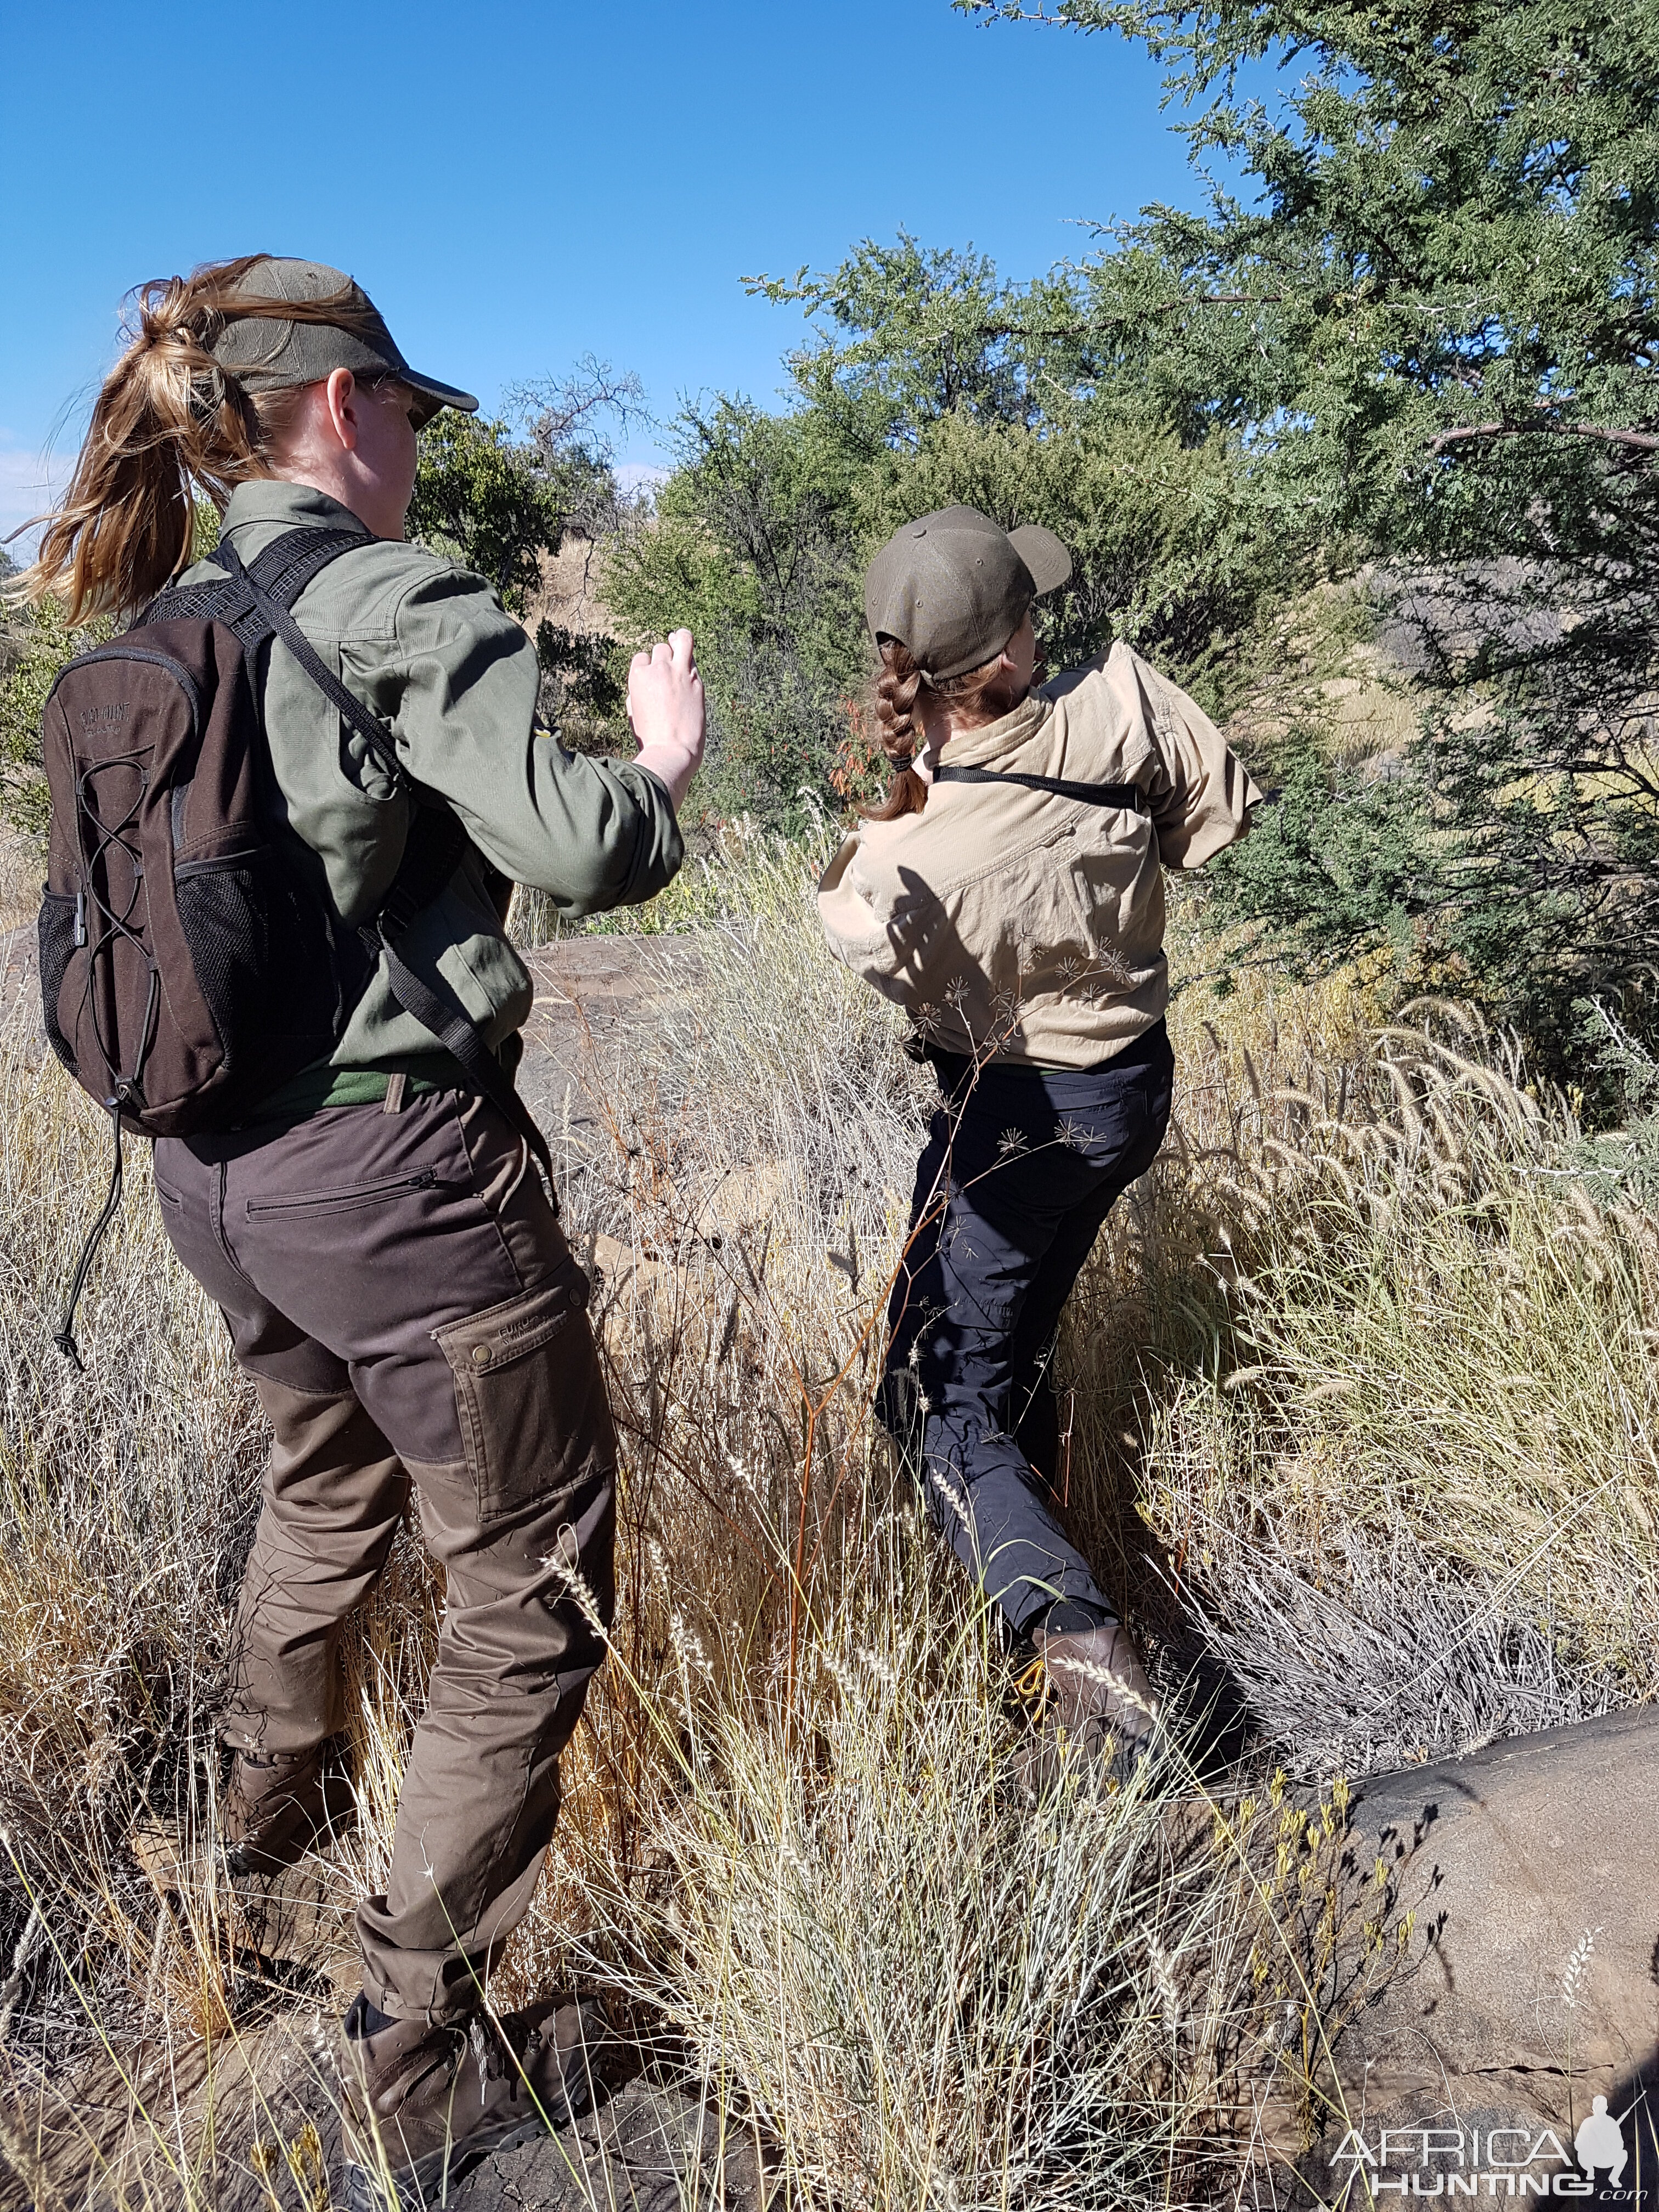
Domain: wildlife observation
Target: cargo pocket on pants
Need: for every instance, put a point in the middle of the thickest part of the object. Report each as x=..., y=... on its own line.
x=525, y=1375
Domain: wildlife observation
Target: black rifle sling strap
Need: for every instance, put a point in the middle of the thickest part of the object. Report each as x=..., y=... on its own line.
x=1129, y=796
x=437, y=845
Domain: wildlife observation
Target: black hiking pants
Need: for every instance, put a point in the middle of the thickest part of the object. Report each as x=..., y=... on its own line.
x=1021, y=1168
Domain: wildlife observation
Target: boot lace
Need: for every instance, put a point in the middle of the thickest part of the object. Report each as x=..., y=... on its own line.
x=498, y=2050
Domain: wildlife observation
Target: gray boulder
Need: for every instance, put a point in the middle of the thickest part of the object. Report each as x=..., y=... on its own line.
x=1499, y=2035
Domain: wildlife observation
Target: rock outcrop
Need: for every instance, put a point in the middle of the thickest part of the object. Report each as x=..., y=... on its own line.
x=1502, y=2039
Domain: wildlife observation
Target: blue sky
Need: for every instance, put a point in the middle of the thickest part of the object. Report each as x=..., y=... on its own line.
x=517, y=184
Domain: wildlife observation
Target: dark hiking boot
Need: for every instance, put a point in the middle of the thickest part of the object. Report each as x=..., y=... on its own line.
x=1090, y=1693
x=279, y=1805
x=423, y=2102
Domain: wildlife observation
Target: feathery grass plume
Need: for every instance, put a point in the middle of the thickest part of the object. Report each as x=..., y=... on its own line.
x=1424, y=1513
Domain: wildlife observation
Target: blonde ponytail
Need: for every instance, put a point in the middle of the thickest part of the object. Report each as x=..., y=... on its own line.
x=170, y=425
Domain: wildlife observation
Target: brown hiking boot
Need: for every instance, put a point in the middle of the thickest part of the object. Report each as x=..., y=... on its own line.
x=422, y=2102
x=279, y=1805
x=1090, y=1692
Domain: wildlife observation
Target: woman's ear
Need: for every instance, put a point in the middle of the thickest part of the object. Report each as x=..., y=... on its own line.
x=340, y=402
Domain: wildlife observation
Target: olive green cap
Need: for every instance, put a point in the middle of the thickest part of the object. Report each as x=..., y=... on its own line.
x=954, y=588
x=273, y=353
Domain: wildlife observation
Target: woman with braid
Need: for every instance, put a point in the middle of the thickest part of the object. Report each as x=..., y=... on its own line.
x=374, y=1227
x=1008, y=896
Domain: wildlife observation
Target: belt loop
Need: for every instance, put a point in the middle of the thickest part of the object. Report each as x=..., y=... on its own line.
x=396, y=1084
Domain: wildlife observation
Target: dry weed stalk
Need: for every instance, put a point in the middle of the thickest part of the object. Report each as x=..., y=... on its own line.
x=1361, y=1387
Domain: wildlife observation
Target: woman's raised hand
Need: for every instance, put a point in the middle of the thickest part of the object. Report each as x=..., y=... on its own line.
x=665, y=710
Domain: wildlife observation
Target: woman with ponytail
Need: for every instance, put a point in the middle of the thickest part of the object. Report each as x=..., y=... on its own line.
x=171, y=425
x=1008, y=896
x=389, y=1263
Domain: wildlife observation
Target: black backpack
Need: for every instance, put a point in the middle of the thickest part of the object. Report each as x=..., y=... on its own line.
x=191, y=959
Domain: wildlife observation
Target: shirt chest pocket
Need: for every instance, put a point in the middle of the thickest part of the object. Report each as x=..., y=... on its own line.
x=1113, y=871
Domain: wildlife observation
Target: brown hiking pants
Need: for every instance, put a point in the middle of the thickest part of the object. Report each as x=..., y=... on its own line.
x=398, y=1286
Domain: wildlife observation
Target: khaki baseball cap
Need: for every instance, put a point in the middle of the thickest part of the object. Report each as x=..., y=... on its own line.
x=954, y=588
x=267, y=352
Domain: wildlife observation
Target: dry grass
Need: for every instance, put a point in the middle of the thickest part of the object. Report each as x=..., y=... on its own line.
x=1392, y=1411
x=21, y=871
x=1361, y=1387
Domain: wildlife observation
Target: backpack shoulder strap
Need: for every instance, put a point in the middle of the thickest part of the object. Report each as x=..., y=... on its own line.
x=463, y=1040
x=289, y=572
x=284, y=568
x=438, y=843
x=257, y=601
x=288, y=563
x=1129, y=796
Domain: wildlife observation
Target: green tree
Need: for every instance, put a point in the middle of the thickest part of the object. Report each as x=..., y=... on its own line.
x=1427, y=307
x=481, y=499
x=751, y=546
x=907, y=334
x=500, y=495
x=924, y=380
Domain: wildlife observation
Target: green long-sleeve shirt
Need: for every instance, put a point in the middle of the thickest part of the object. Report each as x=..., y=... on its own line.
x=431, y=649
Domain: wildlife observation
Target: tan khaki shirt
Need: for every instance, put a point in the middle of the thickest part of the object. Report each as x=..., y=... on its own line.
x=1024, y=926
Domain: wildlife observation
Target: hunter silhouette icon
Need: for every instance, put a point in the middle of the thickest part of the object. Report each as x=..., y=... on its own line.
x=1600, y=2141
